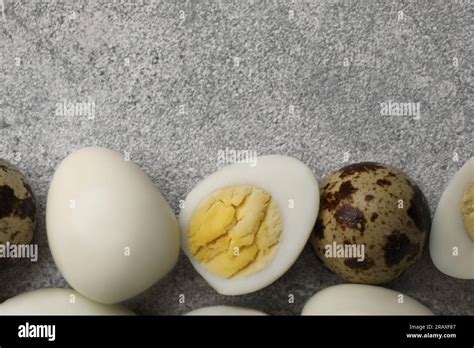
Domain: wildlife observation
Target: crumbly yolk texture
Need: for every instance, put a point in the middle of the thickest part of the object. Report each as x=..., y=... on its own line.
x=468, y=210
x=235, y=231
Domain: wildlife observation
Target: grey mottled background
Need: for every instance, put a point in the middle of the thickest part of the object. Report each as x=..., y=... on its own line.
x=175, y=81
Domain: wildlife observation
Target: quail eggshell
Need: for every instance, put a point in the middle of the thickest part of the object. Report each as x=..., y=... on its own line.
x=54, y=301
x=375, y=206
x=360, y=299
x=111, y=233
x=17, y=206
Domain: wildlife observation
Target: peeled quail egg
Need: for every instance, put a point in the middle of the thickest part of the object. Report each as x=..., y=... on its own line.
x=57, y=302
x=373, y=223
x=452, y=232
x=244, y=226
x=111, y=232
x=225, y=310
x=17, y=207
x=358, y=299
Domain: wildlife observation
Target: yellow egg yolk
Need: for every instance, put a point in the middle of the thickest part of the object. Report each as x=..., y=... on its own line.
x=468, y=211
x=235, y=231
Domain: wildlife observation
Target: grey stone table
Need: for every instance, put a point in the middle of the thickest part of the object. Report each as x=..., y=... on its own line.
x=172, y=82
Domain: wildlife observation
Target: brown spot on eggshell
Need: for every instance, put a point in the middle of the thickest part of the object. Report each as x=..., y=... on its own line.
x=346, y=189
x=329, y=186
x=12, y=205
x=368, y=198
x=319, y=229
x=359, y=168
x=374, y=217
x=418, y=210
x=331, y=200
x=26, y=209
x=383, y=182
x=7, y=201
x=397, y=247
x=359, y=265
x=351, y=217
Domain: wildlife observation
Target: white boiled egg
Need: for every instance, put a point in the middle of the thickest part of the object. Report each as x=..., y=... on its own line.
x=111, y=232
x=452, y=231
x=245, y=225
x=57, y=302
x=225, y=310
x=359, y=299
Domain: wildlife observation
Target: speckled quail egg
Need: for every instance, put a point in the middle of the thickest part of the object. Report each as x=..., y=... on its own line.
x=111, y=232
x=17, y=207
x=359, y=299
x=225, y=310
x=452, y=233
x=244, y=226
x=373, y=223
x=53, y=301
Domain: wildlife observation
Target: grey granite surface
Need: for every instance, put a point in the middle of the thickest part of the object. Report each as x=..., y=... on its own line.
x=173, y=82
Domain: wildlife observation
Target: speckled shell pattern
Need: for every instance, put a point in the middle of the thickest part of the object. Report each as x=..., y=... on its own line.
x=380, y=207
x=17, y=206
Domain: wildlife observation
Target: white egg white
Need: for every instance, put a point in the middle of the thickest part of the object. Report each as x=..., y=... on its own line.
x=111, y=232
x=359, y=299
x=451, y=248
x=225, y=310
x=287, y=180
x=54, y=301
